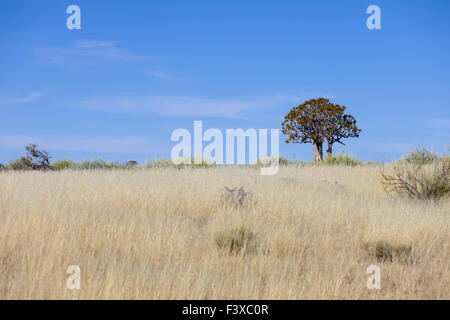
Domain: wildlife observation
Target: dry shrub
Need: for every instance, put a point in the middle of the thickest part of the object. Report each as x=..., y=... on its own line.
x=384, y=251
x=430, y=181
x=237, y=197
x=34, y=160
x=235, y=240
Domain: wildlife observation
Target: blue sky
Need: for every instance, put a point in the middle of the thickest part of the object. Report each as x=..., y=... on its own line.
x=117, y=88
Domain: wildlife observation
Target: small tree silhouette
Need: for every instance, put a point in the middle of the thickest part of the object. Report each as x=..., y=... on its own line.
x=35, y=159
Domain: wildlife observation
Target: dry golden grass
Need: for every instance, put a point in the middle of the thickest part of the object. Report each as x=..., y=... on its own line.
x=149, y=234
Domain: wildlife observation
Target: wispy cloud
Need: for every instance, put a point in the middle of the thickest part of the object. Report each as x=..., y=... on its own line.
x=187, y=106
x=123, y=145
x=32, y=96
x=85, y=52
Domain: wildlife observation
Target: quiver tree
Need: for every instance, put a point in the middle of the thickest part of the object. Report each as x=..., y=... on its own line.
x=316, y=121
x=340, y=126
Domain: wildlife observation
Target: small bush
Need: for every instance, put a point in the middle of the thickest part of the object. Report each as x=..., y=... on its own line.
x=2, y=167
x=159, y=163
x=236, y=240
x=17, y=165
x=237, y=197
x=191, y=163
x=267, y=161
x=420, y=156
x=385, y=252
x=431, y=181
x=98, y=164
x=63, y=164
x=341, y=159
x=179, y=163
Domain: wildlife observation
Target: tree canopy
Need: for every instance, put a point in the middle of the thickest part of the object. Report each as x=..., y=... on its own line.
x=316, y=121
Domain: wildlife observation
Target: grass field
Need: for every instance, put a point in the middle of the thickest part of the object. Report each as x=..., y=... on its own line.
x=152, y=234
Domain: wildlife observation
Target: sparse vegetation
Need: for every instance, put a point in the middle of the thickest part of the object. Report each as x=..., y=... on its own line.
x=16, y=165
x=179, y=163
x=99, y=165
x=63, y=164
x=192, y=163
x=341, y=159
x=236, y=240
x=419, y=180
x=159, y=163
x=267, y=161
x=39, y=160
x=386, y=252
x=237, y=197
x=419, y=157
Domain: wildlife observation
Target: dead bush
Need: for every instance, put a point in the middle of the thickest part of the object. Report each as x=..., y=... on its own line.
x=237, y=197
x=34, y=159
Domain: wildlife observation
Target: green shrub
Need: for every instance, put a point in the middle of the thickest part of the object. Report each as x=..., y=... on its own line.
x=202, y=163
x=419, y=181
x=63, y=164
x=341, y=159
x=420, y=156
x=235, y=240
x=17, y=164
x=98, y=164
x=178, y=163
x=158, y=163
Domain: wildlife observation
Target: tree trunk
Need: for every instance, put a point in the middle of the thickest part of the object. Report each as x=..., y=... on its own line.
x=329, y=149
x=318, y=151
